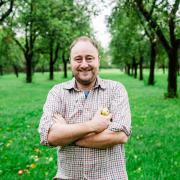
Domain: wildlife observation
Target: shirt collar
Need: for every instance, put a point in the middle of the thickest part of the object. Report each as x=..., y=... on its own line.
x=72, y=84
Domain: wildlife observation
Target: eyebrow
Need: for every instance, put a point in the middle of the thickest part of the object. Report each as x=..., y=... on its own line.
x=78, y=56
x=90, y=55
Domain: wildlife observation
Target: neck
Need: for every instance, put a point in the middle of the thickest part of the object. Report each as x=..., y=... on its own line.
x=87, y=87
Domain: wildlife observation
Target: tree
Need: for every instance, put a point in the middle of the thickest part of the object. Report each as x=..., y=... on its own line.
x=10, y=55
x=128, y=45
x=166, y=32
x=28, y=22
x=64, y=21
x=153, y=46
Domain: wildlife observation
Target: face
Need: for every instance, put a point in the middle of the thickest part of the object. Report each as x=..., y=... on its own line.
x=84, y=62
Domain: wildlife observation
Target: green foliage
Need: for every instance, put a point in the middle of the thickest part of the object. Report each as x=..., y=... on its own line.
x=9, y=52
x=5, y=9
x=152, y=151
x=127, y=36
x=62, y=22
x=40, y=26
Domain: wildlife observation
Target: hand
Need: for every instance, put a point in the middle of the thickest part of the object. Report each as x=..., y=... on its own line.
x=100, y=122
x=57, y=118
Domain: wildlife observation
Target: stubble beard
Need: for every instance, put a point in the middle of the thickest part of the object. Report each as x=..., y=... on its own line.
x=86, y=81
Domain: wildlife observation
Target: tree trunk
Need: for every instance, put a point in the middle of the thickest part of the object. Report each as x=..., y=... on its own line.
x=16, y=70
x=178, y=68
x=163, y=68
x=65, y=70
x=53, y=53
x=51, y=64
x=64, y=65
x=135, y=70
x=1, y=70
x=28, y=68
x=152, y=63
x=141, y=68
x=125, y=69
x=51, y=70
x=172, y=72
x=42, y=69
x=128, y=69
x=134, y=67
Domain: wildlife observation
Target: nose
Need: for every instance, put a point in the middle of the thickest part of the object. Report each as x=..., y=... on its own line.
x=84, y=64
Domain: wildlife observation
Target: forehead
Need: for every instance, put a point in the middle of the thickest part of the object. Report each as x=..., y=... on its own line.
x=83, y=48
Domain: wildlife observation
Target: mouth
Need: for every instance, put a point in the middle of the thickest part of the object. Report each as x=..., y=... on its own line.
x=85, y=71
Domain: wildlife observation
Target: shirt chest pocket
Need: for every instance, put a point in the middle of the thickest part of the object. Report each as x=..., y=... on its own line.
x=73, y=112
x=79, y=109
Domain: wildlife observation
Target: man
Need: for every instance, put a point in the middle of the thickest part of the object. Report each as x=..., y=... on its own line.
x=90, y=146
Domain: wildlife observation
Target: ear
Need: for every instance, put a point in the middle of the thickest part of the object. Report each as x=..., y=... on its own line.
x=99, y=59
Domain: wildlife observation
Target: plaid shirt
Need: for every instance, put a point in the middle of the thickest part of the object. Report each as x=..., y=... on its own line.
x=75, y=162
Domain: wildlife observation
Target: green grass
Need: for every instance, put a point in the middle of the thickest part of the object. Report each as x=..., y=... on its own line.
x=152, y=152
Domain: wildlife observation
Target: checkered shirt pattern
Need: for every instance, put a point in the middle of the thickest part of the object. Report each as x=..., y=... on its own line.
x=79, y=163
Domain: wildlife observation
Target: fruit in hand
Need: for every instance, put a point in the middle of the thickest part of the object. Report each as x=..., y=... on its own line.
x=20, y=172
x=105, y=112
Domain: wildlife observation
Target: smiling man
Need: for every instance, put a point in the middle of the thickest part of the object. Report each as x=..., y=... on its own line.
x=89, y=145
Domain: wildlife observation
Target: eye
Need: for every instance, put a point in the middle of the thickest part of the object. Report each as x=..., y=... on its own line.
x=78, y=59
x=89, y=59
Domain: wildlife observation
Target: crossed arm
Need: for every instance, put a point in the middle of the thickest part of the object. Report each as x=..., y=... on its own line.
x=91, y=134
x=103, y=140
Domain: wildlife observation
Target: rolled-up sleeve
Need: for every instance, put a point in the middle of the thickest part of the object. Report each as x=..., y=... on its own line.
x=120, y=109
x=51, y=106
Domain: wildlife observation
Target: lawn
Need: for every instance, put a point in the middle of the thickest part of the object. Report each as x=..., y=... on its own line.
x=152, y=152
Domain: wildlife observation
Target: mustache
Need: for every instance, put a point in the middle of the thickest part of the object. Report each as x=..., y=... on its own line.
x=85, y=69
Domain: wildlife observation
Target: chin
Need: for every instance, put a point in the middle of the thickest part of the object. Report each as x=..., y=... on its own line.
x=85, y=81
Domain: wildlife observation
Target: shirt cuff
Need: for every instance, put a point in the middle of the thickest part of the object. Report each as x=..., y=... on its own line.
x=45, y=125
x=117, y=128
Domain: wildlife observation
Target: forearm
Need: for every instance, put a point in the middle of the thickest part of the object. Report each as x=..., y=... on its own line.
x=103, y=140
x=63, y=134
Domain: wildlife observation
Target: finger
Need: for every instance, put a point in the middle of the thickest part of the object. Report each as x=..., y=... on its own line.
x=58, y=115
x=109, y=116
x=55, y=120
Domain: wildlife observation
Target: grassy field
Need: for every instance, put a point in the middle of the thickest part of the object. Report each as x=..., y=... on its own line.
x=152, y=152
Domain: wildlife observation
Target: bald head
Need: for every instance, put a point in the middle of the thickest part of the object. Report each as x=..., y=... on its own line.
x=84, y=39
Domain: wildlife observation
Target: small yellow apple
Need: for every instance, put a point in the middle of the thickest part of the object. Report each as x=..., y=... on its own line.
x=20, y=172
x=105, y=111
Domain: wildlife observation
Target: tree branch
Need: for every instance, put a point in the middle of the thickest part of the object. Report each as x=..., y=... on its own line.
x=172, y=24
x=56, y=53
x=152, y=7
x=153, y=24
x=148, y=34
x=8, y=11
x=19, y=44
